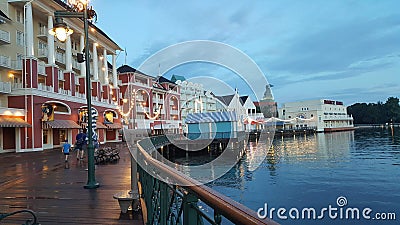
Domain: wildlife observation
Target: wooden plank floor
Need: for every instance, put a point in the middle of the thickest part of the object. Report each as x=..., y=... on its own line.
x=44, y=183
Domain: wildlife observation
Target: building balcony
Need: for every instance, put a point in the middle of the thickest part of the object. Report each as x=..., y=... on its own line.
x=174, y=112
x=43, y=87
x=16, y=64
x=5, y=61
x=43, y=33
x=5, y=87
x=4, y=37
x=41, y=68
x=15, y=86
x=80, y=95
x=42, y=53
x=142, y=109
x=64, y=92
x=141, y=84
x=159, y=101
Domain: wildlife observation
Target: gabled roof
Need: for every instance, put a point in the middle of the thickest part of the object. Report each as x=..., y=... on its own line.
x=226, y=99
x=164, y=80
x=158, y=86
x=175, y=78
x=243, y=99
x=3, y=15
x=128, y=69
x=109, y=66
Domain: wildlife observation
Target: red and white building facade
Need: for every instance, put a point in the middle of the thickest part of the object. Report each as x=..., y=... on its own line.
x=42, y=87
x=148, y=102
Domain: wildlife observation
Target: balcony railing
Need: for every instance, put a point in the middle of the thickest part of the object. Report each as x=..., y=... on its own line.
x=5, y=87
x=42, y=53
x=16, y=64
x=42, y=68
x=5, y=61
x=16, y=86
x=80, y=95
x=43, y=33
x=142, y=109
x=64, y=92
x=4, y=37
x=43, y=87
x=174, y=112
x=60, y=58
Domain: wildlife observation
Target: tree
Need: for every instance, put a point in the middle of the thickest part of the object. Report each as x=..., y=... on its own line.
x=376, y=113
x=392, y=108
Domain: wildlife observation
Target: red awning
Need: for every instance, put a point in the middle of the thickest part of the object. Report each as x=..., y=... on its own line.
x=114, y=125
x=62, y=124
x=13, y=122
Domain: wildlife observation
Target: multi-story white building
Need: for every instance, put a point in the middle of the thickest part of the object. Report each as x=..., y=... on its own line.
x=324, y=115
x=194, y=98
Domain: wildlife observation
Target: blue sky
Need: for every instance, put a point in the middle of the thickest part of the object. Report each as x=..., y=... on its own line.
x=340, y=50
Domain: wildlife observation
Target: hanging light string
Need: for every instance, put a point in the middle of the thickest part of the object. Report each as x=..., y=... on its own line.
x=131, y=105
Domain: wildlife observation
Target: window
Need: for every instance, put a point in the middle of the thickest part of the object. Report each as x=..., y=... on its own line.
x=20, y=38
x=19, y=16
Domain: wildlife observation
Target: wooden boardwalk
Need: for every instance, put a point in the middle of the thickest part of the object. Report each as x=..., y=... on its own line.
x=44, y=183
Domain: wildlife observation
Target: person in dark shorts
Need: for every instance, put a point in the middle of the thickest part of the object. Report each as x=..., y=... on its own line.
x=80, y=144
x=65, y=149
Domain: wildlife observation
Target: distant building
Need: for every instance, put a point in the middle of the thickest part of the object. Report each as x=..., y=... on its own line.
x=267, y=105
x=193, y=98
x=211, y=125
x=324, y=115
x=156, y=101
x=245, y=109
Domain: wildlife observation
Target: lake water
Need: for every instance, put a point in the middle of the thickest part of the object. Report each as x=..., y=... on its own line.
x=360, y=167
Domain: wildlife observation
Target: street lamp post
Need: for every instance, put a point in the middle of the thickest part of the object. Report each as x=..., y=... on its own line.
x=61, y=31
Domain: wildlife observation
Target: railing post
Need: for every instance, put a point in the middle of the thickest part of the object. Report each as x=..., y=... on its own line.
x=163, y=202
x=190, y=215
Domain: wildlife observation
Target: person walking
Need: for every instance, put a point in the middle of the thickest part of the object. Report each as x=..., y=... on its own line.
x=65, y=149
x=80, y=144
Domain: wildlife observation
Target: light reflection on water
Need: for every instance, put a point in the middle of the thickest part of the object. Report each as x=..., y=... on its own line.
x=314, y=170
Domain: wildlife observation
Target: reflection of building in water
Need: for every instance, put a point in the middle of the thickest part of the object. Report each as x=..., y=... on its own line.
x=325, y=115
x=335, y=145
x=321, y=146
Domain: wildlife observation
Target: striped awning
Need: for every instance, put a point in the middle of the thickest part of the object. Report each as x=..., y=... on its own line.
x=100, y=125
x=210, y=117
x=114, y=125
x=13, y=122
x=62, y=124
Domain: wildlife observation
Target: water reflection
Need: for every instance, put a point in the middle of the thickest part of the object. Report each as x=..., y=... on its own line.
x=313, y=170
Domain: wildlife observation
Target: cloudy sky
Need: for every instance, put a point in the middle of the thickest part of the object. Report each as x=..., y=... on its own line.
x=340, y=50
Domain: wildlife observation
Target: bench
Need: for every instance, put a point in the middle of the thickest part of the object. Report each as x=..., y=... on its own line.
x=106, y=155
x=125, y=199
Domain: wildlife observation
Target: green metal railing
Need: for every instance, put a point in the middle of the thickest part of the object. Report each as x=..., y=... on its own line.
x=28, y=222
x=188, y=204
